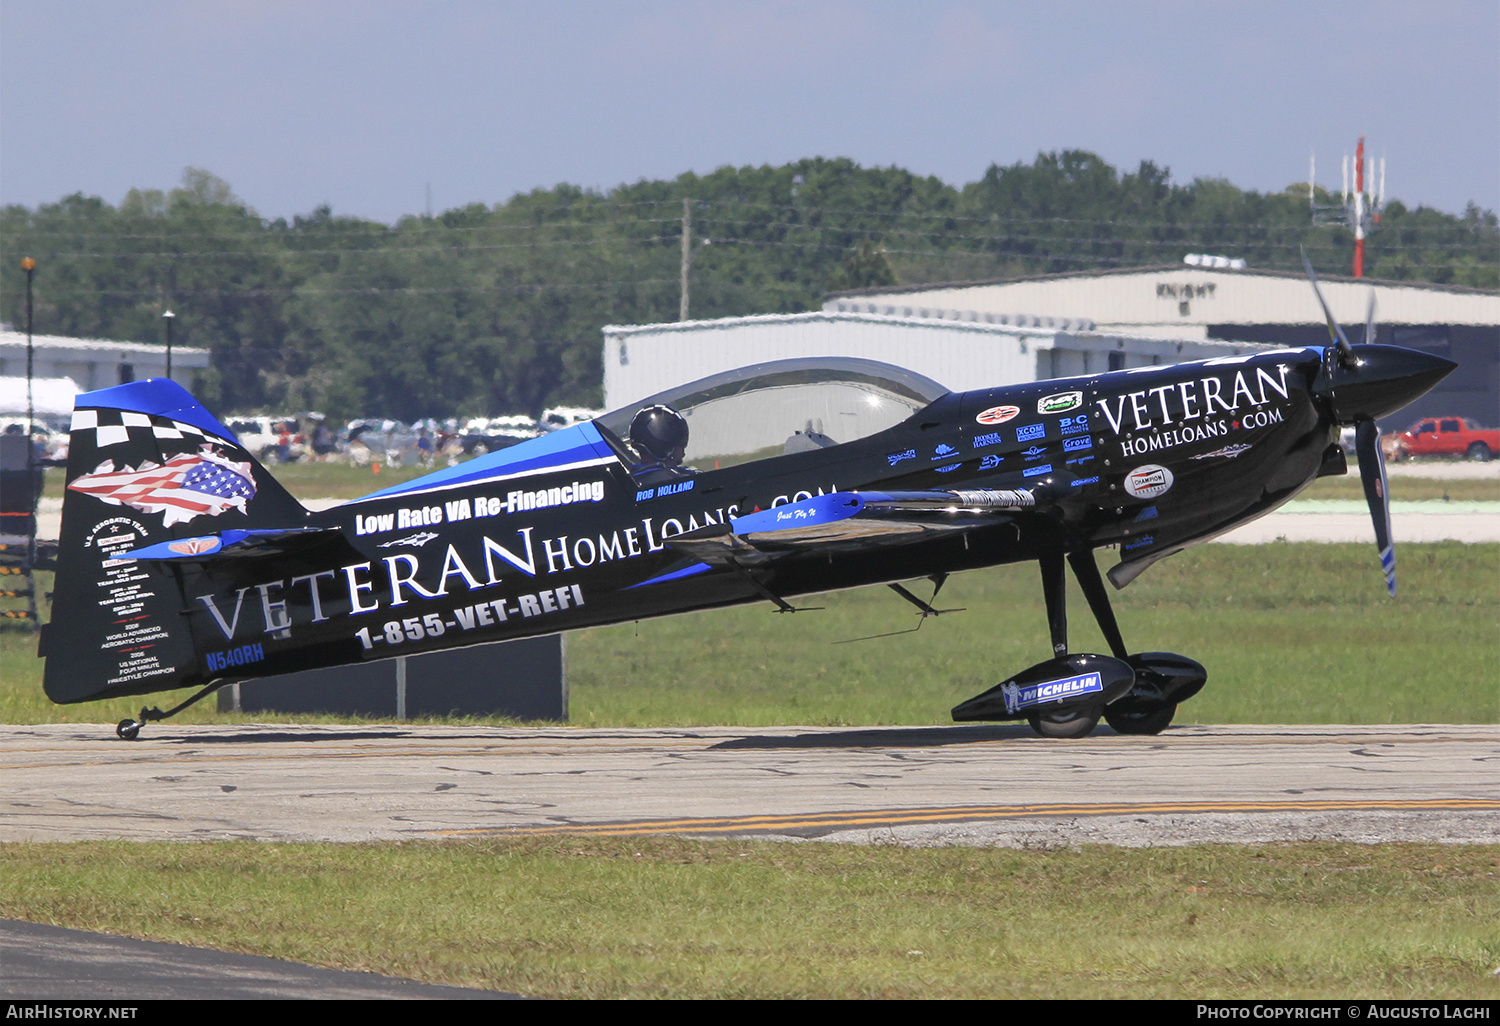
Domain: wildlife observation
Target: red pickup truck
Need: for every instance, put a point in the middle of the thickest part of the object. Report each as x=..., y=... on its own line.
x=1444, y=436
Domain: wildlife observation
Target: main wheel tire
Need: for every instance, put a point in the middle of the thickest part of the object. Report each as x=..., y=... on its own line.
x=1065, y=726
x=1480, y=453
x=128, y=729
x=1151, y=720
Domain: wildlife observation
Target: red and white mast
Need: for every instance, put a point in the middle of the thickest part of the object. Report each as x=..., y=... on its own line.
x=1361, y=210
x=1358, y=213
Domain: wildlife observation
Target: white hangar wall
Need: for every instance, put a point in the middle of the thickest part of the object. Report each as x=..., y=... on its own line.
x=642, y=360
x=1272, y=307
x=1185, y=302
x=97, y=363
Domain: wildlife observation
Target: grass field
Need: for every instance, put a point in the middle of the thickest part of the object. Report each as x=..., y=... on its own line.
x=1290, y=633
x=665, y=918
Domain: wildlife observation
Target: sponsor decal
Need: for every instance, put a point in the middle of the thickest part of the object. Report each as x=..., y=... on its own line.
x=1258, y=419
x=1085, y=481
x=1149, y=513
x=993, y=438
x=1018, y=697
x=1173, y=437
x=1196, y=399
x=419, y=539
x=1036, y=452
x=1030, y=432
x=943, y=451
x=1059, y=402
x=216, y=661
x=468, y=618
x=951, y=466
x=998, y=414
x=1149, y=481
x=1045, y=468
x=1077, y=444
x=1229, y=451
x=798, y=496
x=1139, y=543
x=188, y=485
x=193, y=546
x=454, y=510
x=990, y=462
x=1079, y=460
x=566, y=495
x=894, y=458
x=1075, y=425
x=415, y=578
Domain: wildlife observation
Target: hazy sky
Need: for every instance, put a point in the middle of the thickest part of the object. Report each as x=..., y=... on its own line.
x=362, y=103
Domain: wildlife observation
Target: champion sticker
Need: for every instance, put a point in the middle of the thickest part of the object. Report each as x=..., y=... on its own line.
x=1149, y=481
x=998, y=414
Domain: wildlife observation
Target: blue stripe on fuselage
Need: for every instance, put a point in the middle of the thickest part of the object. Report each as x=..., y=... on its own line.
x=574, y=444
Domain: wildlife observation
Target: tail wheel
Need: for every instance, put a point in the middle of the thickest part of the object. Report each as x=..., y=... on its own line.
x=1151, y=719
x=1480, y=453
x=1074, y=723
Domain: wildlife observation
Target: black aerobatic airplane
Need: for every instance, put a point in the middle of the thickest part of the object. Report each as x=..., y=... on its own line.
x=184, y=563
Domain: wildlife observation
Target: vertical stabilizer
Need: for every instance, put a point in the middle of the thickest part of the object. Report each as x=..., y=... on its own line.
x=146, y=464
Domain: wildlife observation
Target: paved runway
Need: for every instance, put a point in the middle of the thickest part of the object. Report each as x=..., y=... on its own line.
x=50, y=963
x=980, y=785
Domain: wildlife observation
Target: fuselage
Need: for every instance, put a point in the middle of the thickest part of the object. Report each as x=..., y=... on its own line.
x=1149, y=460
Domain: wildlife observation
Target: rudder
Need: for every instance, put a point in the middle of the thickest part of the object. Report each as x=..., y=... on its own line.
x=147, y=463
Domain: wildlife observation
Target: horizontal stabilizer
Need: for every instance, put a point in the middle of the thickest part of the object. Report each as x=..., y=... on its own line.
x=848, y=521
x=235, y=544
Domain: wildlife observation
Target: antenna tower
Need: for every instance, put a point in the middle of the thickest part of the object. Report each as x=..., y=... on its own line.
x=1359, y=210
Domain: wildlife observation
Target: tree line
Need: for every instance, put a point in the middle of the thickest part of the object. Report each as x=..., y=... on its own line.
x=493, y=309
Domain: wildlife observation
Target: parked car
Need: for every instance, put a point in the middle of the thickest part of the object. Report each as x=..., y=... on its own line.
x=262, y=437
x=1445, y=436
x=481, y=436
x=558, y=417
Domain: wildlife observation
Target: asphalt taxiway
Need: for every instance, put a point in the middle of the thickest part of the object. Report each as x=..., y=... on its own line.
x=981, y=785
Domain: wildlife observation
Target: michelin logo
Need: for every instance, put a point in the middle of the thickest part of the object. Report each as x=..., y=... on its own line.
x=1018, y=697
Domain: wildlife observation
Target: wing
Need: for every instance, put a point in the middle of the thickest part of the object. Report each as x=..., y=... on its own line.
x=850, y=522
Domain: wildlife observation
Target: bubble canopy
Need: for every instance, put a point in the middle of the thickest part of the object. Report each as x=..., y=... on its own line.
x=785, y=406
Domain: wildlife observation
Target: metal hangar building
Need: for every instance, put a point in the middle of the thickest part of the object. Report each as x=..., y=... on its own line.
x=961, y=350
x=1203, y=304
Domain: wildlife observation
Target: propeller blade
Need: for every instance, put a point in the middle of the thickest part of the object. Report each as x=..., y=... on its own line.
x=1370, y=319
x=1335, y=333
x=1377, y=495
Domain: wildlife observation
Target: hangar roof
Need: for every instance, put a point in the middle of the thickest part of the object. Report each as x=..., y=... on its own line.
x=1182, y=301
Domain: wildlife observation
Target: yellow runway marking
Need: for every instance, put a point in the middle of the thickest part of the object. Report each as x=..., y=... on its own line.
x=904, y=817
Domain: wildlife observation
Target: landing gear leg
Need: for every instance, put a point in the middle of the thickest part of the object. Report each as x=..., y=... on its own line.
x=1147, y=709
x=129, y=730
x=1073, y=723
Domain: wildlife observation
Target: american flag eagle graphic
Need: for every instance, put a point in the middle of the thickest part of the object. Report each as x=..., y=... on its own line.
x=188, y=485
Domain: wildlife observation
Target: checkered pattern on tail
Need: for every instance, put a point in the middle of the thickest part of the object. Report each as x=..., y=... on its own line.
x=111, y=427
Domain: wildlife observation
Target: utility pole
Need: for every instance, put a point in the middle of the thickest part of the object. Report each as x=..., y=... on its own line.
x=687, y=257
x=169, y=317
x=29, y=266
x=33, y=492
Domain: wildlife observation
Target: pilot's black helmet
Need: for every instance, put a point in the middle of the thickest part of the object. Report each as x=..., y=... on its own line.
x=659, y=431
